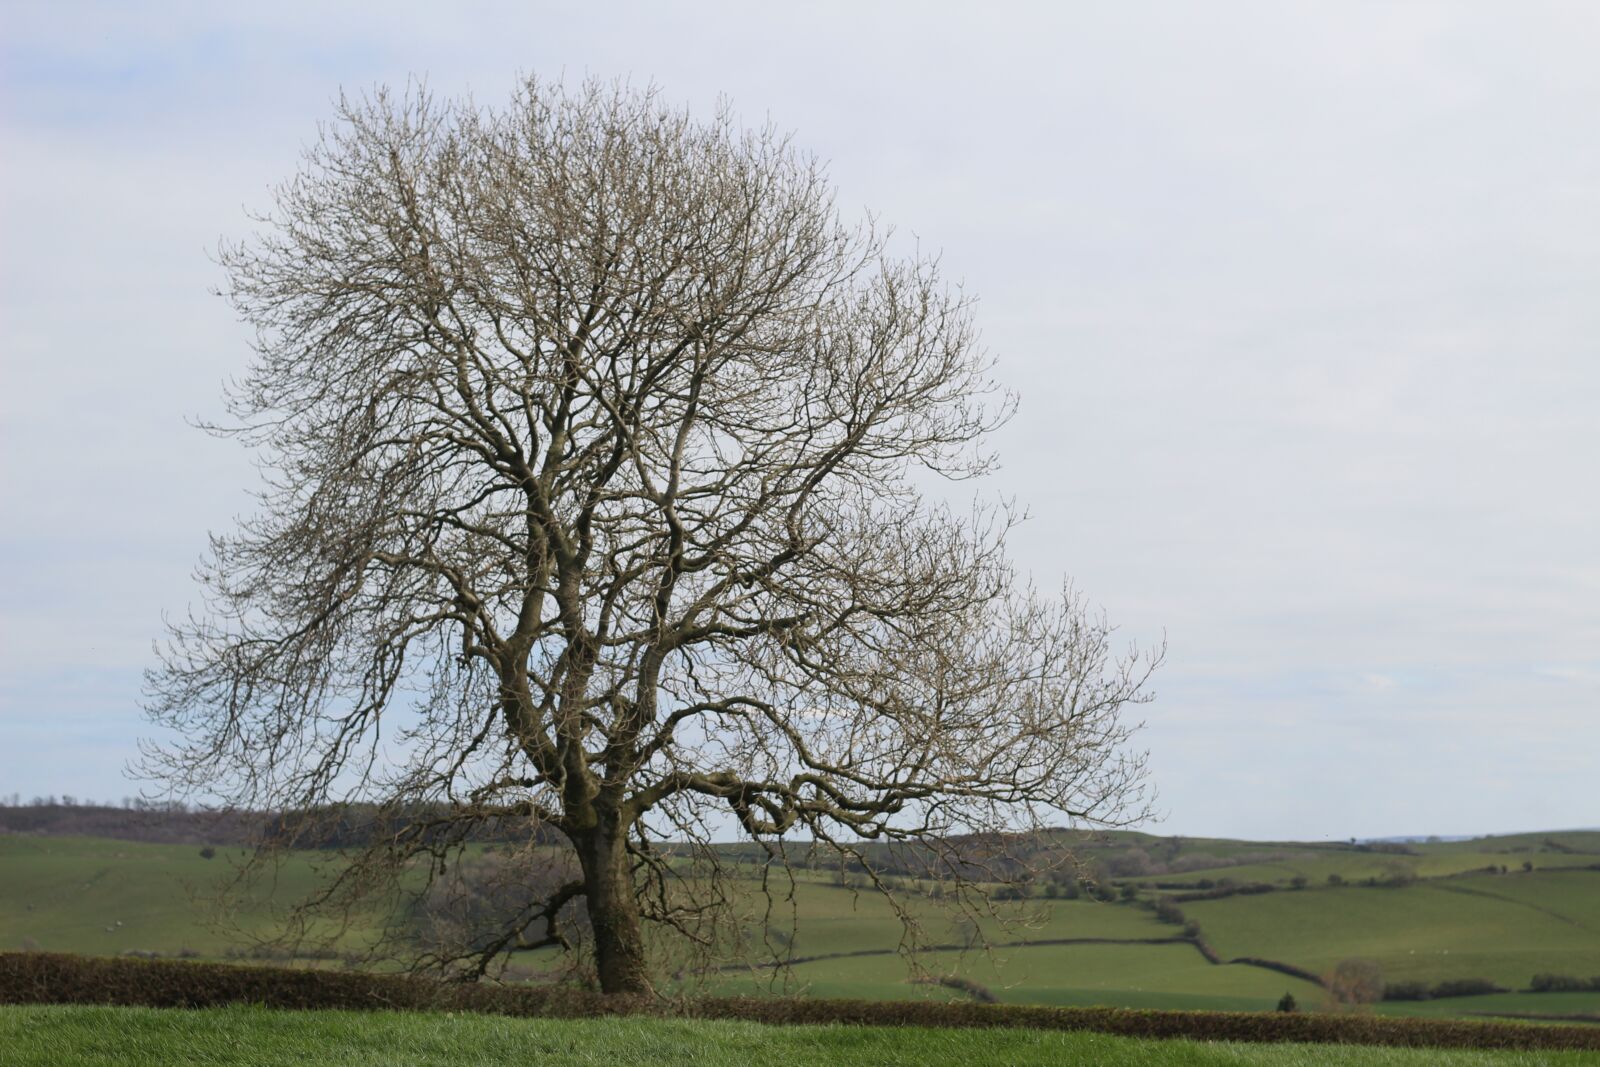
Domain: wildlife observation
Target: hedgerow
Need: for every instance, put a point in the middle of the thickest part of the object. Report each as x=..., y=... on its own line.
x=49, y=978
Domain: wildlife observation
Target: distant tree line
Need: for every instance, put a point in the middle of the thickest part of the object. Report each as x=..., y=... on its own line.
x=1564, y=983
x=174, y=822
x=1455, y=987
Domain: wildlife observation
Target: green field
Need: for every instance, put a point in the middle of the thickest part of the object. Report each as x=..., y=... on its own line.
x=254, y=1037
x=1429, y=931
x=108, y=897
x=1134, y=976
x=103, y=897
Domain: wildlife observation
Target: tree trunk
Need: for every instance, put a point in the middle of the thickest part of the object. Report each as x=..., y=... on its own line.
x=613, y=909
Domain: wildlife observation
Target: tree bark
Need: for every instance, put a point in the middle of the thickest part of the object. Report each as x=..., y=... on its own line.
x=613, y=909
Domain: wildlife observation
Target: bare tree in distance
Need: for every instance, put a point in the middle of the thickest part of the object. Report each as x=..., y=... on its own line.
x=591, y=436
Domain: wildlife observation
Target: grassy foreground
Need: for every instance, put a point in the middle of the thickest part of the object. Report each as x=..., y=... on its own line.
x=128, y=1037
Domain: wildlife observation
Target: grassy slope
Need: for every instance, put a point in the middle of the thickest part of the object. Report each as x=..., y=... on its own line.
x=1430, y=931
x=1315, y=867
x=104, y=897
x=63, y=893
x=249, y=1037
x=1152, y=976
x=829, y=919
x=1497, y=1004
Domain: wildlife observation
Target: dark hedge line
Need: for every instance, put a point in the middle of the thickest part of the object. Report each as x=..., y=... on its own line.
x=1564, y=983
x=48, y=978
x=1455, y=987
x=1282, y=968
x=1224, y=890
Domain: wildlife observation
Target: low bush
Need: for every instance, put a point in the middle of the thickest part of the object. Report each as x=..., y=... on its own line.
x=1408, y=991
x=1225, y=888
x=1467, y=987
x=1564, y=983
x=51, y=978
x=1455, y=987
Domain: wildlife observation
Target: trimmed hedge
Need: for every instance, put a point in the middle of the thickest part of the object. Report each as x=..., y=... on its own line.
x=1564, y=983
x=1455, y=987
x=48, y=978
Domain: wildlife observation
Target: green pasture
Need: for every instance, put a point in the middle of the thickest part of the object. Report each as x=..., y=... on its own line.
x=825, y=919
x=1135, y=976
x=1428, y=931
x=1572, y=897
x=1498, y=1005
x=107, y=897
x=1579, y=842
x=1316, y=865
x=104, y=897
x=254, y=1037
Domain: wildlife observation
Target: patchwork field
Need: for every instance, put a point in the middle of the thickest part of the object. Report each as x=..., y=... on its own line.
x=106, y=897
x=1431, y=913
x=1428, y=931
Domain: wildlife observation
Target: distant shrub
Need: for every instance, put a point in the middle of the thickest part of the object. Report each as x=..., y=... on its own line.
x=1527, y=865
x=1129, y=863
x=1101, y=892
x=1466, y=987
x=1298, y=882
x=1168, y=912
x=208, y=853
x=1288, y=1003
x=1128, y=891
x=1396, y=875
x=1226, y=888
x=1455, y=987
x=1564, y=983
x=1336, y=879
x=1355, y=983
x=1407, y=991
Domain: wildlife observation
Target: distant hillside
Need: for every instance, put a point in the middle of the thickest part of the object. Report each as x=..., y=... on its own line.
x=161, y=825
x=177, y=824
x=1115, y=853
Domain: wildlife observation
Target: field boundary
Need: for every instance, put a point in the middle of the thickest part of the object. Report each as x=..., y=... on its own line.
x=51, y=978
x=1487, y=894
x=859, y=953
x=1199, y=945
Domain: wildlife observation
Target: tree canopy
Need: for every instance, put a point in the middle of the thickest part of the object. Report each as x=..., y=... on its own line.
x=596, y=443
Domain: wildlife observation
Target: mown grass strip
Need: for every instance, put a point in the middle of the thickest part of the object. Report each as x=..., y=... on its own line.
x=45, y=978
x=242, y=1036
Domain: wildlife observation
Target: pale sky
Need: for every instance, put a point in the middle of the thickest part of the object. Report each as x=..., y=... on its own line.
x=1302, y=301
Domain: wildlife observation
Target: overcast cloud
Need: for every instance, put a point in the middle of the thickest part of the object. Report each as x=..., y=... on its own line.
x=1302, y=302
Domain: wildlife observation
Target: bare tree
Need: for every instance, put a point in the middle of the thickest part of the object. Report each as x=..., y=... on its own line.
x=593, y=438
